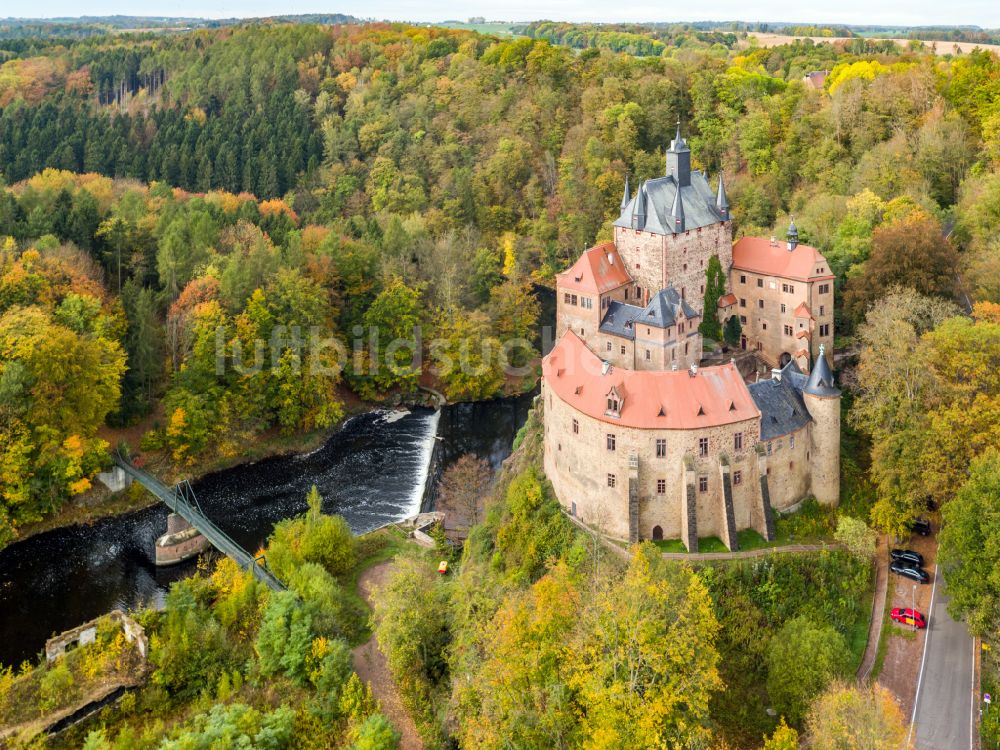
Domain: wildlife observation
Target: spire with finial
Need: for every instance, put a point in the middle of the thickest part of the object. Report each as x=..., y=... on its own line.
x=793, y=235
x=677, y=211
x=626, y=197
x=721, y=202
x=678, y=159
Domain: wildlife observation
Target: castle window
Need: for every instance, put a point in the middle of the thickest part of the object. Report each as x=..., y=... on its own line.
x=791, y=441
x=738, y=441
x=576, y=427
x=743, y=302
x=702, y=288
x=786, y=288
x=623, y=348
x=582, y=334
x=743, y=278
x=638, y=292
x=572, y=299
x=702, y=484
x=760, y=283
x=673, y=354
x=636, y=265
x=685, y=348
x=611, y=437
x=612, y=480
x=701, y=263
x=605, y=301
x=824, y=330
x=626, y=292
x=680, y=328
x=791, y=465
x=682, y=293
x=685, y=267
x=769, y=447
x=824, y=288
x=661, y=448
x=743, y=319
x=760, y=304
x=763, y=325
x=587, y=303
x=647, y=355
x=609, y=346
x=822, y=309
x=783, y=308
x=661, y=486
x=737, y=477
x=789, y=331
x=702, y=447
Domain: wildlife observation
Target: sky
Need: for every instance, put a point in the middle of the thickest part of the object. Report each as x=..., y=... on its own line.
x=985, y=13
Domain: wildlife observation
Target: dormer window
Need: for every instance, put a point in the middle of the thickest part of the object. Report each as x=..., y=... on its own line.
x=614, y=403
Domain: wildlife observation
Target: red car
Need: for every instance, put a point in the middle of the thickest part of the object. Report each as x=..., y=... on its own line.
x=907, y=616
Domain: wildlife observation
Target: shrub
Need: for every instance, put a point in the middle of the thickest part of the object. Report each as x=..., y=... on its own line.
x=375, y=734
x=285, y=638
x=57, y=687
x=312, y=537
x=803, y=658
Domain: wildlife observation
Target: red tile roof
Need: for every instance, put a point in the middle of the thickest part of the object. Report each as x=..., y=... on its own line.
x=803, y=311
x=598, y=270
x=727, y=300
x=758, y=255
x=668, y=400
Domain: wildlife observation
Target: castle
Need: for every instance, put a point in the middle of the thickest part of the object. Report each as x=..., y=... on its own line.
x=643, y=443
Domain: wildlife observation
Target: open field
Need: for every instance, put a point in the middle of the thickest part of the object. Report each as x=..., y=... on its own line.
x=774, y=40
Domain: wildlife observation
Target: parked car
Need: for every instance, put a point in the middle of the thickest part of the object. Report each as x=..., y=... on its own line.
x=922, y=526
x=914, y=574
x=907, y=616
x=913, y=559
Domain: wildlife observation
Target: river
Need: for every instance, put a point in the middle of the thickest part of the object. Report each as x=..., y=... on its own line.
x=371, y=471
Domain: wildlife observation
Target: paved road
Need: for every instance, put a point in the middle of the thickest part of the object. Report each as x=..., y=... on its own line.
x=943, y=711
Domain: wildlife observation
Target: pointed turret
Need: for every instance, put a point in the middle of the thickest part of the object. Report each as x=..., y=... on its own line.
x=793, y=235
x=626, y=197
x=639, y=210
x=721, y=201
x=677, y=211
x=821, y=378
x=679, y=159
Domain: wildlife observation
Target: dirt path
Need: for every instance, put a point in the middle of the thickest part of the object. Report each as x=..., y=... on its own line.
x=878, y=609
x=372, y=668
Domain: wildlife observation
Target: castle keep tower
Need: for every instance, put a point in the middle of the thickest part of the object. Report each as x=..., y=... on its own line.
x=822, y=399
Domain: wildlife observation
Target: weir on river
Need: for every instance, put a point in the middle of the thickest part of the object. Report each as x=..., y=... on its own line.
x=374, y=470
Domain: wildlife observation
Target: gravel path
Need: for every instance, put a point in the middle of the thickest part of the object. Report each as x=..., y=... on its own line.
x=372, y=668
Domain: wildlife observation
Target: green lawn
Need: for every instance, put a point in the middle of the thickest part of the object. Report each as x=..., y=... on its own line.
x=705, y=544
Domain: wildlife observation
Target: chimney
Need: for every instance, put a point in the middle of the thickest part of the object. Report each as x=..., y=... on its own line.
x=776, y=374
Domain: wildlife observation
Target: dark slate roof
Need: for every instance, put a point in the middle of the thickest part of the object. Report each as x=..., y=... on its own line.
x=698, y=199
x=662, y=309
x=661, y=312
x=821, y=378
x=618, y=315
x=782, y=409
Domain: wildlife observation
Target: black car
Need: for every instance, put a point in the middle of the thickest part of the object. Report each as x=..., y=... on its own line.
x=914, y=574
x=922, y=526
x=908, y=557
